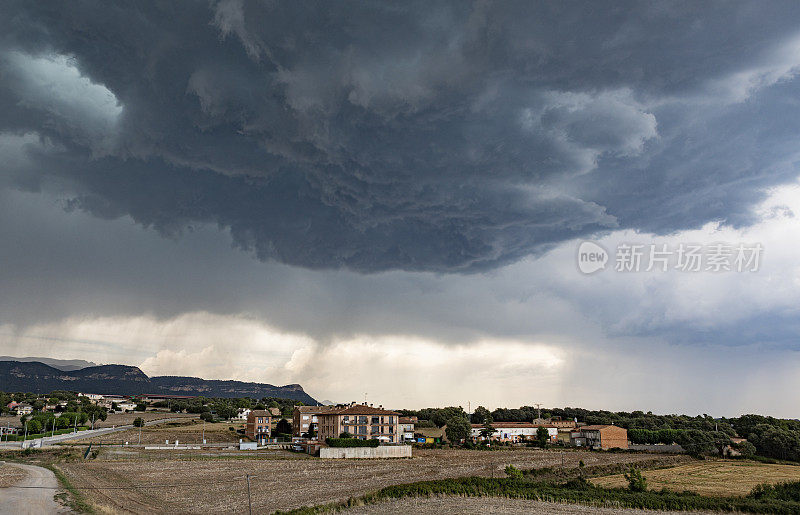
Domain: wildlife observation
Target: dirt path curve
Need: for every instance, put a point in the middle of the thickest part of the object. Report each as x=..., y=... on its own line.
x=22, y=498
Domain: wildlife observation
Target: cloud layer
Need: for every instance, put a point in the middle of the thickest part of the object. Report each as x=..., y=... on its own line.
x=449, y=138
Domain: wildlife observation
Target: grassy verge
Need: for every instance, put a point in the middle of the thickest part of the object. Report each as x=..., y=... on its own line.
x=573, y=491
x=74, y=498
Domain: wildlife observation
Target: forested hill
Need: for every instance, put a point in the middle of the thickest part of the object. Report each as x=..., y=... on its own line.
x=16, y=376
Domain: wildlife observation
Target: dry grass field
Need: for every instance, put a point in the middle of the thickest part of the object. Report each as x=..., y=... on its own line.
x=212, y=484
x=188, y=432
x=122, y=419
x=712, y=477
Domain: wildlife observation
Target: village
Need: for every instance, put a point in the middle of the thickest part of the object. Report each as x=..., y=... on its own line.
x=308, y=428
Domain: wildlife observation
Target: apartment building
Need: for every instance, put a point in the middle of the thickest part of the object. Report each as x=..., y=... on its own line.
x=361, y=421
x=258, y=425
x=407, y=428
x=304, y=418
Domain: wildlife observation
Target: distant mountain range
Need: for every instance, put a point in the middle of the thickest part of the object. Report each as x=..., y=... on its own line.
x=61, y=364
x=37, y=377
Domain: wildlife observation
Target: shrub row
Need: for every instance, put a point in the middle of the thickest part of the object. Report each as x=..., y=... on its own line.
x=575, y=491
x=18, y=438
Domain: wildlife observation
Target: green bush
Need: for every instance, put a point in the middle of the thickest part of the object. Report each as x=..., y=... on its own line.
x=513, y=472
x=636, y=481
x=351, y=442
x=781, y=491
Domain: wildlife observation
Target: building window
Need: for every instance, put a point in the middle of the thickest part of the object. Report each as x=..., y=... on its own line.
x=376, y=429
x=376, y=420
x=362, y=430
x=362, y=420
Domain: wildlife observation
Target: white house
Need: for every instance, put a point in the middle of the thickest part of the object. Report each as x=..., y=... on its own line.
x=514, y=431
x=126, y=406
x=242, y=414
x=24, y=409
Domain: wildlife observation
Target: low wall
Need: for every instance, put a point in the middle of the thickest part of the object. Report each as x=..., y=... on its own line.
x=384, y=451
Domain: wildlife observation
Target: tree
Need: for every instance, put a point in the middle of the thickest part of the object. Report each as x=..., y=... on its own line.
x=283, y=426
x=345, y=434
x=480, y=415
x=542, y=437
x=441, y=416
x=458, y=429
x=488, y=429
x=138, y=422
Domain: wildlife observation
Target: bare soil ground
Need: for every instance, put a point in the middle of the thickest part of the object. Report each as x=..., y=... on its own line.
x=218, y=485
x=11, y=475
x=458, y=505
x=712, y=477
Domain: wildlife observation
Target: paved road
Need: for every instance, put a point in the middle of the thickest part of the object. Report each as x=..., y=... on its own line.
x=47, y=440
x=33, y=495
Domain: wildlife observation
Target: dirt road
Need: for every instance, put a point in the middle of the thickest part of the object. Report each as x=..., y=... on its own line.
x=33, y=494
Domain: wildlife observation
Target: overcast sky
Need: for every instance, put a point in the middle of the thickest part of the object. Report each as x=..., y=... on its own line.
x=387, y=199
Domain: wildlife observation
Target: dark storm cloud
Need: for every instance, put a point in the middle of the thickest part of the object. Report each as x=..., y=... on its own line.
x=375, y=136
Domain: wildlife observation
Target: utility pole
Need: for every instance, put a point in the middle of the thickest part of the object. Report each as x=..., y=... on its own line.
x=140, y=435
x=75, y=424
x=26, y=434
x=204, y=432
x=538, y=411
x=249, y=500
